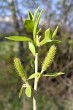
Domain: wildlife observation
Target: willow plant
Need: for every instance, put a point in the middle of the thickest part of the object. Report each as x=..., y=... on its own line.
x=31, y=24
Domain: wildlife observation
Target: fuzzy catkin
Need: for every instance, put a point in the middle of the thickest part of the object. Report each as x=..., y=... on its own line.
x=20, y=69
x=49, y=58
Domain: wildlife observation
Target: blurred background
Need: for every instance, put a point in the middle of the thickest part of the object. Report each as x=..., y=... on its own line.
x=54, y=93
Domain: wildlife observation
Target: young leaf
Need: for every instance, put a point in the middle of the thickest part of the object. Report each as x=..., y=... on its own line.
x=55, y=32
x=48, y=37
x=32, y=48
x=28, y=91
x=35, y=14
x=30, y=15
x=53, y=74
x=18, y=38
x=49, y=58
x=56, y=41
x=36, y=26
x=20, y=69
x=34, y=75
x=29, y=25
x=21, y=90
x=48, y=34
x=44, y=41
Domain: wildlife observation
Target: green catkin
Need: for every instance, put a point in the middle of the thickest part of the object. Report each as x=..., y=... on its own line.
x=20, y=69
x=49, y=58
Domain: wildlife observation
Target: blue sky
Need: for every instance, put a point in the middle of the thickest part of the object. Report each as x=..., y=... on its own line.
x=22, y=8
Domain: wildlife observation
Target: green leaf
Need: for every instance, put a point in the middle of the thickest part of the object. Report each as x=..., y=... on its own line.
x=44, y=41
x=56, y=41
x=48, y=37
x=55, y=32
x=28, y=91
x=30, y=15
x=35, y=14
x=34, y=75
x=29, y=25
x=36, y=26
x=21, y=90
x=48, y=34
x=18, y=38
x=32, y=48
x=54, y=74
x=20, y=69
